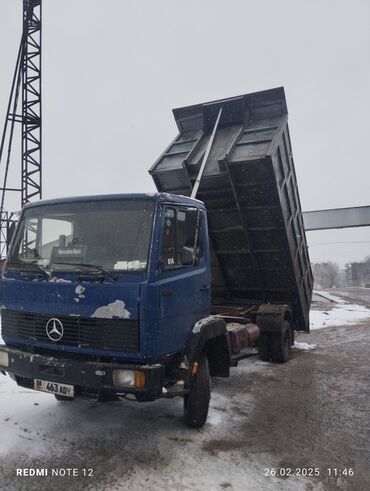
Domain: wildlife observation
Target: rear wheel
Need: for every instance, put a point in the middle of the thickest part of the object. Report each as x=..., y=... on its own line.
x=63, y=398
x=196, y=402
x=281, y=344
x=264, y=347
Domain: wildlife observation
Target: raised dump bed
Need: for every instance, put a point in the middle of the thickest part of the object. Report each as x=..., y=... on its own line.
x=249, y=186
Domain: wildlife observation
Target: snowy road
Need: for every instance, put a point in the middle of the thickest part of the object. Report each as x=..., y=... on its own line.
x=310, y=413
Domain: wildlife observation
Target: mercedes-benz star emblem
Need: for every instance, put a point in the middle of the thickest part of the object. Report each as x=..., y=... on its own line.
x=54, y=329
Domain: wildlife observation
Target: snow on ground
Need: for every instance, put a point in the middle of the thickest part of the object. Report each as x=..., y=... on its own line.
x=339, y=316
x=150, y=441
x=303, y=346
x=339, y=313
x=326, y=295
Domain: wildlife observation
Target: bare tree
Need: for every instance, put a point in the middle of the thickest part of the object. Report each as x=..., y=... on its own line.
x=325, y=274
x=360, y=272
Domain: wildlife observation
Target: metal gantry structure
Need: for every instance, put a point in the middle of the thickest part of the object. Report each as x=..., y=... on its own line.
x=355, y=216
x=26, y=85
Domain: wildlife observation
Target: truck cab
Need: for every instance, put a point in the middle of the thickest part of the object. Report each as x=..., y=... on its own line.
x=101, y=293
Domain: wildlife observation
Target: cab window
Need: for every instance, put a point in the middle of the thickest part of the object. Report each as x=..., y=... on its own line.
x=181, y=237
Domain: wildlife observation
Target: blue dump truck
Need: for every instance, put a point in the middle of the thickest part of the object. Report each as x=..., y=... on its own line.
x=149, y=296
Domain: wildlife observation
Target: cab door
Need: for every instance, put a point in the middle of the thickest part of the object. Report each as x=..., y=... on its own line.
x=184, y=277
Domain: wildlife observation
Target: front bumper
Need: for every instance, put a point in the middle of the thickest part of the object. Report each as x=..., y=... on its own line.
x=89, y=378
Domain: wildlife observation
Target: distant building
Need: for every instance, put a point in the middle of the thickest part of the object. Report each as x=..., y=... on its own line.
x=360, y=273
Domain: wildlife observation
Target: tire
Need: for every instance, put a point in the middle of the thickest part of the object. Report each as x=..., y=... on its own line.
x=196, y=402
x=281, y=344
x=264, y=347
x=63, y=398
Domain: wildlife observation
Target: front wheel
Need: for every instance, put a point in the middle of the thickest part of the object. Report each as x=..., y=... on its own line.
x=196, y=402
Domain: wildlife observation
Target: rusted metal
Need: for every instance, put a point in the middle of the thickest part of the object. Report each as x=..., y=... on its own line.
x=242, y=335
x=253, y=332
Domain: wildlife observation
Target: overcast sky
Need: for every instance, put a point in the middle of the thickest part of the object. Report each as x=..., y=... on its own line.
x=113, y=70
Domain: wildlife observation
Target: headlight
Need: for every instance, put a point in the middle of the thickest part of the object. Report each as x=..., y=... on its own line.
x=129, y=378
x=4, y=359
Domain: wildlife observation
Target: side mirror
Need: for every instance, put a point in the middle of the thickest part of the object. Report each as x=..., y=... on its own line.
x=10, y=232
x=187, y=256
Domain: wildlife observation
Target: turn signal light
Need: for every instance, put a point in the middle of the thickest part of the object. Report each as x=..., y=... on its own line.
x=139, y=379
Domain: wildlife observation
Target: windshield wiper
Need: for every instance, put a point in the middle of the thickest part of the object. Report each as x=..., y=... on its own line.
x=88, y=265
x=26, y=266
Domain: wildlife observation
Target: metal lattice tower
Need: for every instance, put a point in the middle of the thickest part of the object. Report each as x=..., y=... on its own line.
x=27, y=82
x=31, y=90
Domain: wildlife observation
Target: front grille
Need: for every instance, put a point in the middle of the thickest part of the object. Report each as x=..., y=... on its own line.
x=81, y=332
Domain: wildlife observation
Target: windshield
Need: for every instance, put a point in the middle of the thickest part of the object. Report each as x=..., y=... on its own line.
x=113, y=235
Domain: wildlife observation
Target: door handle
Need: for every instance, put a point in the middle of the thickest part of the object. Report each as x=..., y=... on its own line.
x=204, y=288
